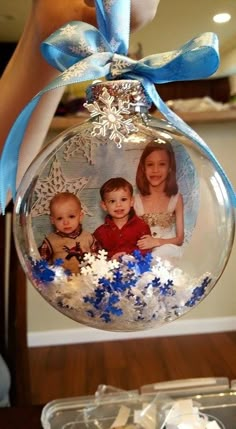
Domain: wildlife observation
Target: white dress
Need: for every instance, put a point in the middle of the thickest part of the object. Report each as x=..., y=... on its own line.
x=162, y=225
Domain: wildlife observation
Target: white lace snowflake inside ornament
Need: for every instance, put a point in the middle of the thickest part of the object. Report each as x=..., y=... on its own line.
x=110, y=219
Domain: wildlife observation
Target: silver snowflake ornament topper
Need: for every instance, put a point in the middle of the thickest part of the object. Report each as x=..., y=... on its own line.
x=111, y=118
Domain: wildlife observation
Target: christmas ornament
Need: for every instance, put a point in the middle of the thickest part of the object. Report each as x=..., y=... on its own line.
x=113, y=236
x=115, y=221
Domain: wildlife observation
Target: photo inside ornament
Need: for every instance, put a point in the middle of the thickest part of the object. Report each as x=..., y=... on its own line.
x=121, y=223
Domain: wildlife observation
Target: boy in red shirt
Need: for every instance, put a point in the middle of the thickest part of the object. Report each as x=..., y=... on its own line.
x=122, y=228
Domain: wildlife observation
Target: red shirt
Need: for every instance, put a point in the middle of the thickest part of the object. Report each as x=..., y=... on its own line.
x=115, y=240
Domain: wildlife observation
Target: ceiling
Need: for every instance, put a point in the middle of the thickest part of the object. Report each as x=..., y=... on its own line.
x=176, y=22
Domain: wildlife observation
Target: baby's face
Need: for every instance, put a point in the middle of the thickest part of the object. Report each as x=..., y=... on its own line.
x=118, y=203
x=66, y=216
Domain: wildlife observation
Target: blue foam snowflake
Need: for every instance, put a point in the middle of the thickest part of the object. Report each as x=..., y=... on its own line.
x=198, y=292
x=41, y=271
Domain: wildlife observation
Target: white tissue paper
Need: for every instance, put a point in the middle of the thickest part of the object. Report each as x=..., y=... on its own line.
x=184, y=415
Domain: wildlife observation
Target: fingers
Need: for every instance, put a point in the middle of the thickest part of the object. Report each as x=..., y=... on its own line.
x=141, y=244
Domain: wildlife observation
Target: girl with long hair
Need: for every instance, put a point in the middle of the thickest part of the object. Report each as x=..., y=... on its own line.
x=159, y=202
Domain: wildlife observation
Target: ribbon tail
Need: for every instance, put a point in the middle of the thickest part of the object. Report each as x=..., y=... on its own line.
x=10, y=154
x=101, y=17
x=181, y=126
x=114, y=23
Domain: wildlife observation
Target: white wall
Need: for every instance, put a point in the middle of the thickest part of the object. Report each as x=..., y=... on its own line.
x=228, y=63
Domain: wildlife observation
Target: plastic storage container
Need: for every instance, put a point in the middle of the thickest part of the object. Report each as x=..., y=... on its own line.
x=143, y=410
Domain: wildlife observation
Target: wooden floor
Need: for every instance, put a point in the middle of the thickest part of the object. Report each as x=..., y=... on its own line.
x=73, y=370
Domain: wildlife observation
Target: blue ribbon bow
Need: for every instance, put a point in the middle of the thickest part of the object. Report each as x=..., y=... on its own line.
x=82, y=52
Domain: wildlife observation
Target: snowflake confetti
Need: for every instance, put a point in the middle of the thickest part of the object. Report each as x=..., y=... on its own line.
x=111, y=122
x=135, y=286
x=136, y=292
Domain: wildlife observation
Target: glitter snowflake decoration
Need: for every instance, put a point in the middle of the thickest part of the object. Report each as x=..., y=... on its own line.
x=111, y=122
x=56, y=182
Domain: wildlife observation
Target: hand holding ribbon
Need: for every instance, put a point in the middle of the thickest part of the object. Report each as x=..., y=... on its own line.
x=83, y=52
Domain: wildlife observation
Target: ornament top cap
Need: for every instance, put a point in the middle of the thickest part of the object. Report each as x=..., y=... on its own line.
x=130, y=91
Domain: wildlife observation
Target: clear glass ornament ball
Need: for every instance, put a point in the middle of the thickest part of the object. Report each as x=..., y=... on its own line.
x=121, y=223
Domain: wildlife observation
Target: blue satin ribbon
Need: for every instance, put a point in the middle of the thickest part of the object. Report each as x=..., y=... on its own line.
x=82, y=52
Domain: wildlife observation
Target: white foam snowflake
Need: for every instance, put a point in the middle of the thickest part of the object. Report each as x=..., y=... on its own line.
x=111, y=122
x=68, y=30
x=97, y=266
x=56, y=182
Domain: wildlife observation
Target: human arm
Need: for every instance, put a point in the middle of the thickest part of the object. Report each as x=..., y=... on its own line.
x=149, y=242
x=142, y=12
x=118, y=255
x=27, y=72
x=98, y=238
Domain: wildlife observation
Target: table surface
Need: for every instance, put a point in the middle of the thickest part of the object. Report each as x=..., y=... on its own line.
x=21, y=417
